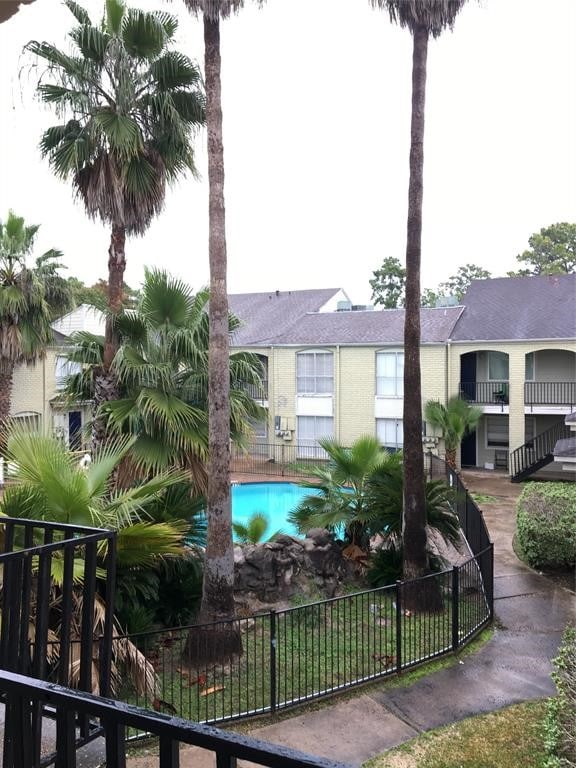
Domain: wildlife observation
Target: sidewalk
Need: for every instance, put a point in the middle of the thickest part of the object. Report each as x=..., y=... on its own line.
x=514, y=666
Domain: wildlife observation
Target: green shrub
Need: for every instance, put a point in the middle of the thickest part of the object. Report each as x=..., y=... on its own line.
x=546, y=525
x=560, y=721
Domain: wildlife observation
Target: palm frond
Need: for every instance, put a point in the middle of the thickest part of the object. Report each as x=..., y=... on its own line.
x=80, y=14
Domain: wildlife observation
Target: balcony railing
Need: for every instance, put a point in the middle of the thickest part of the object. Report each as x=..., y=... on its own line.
x=257, y=392
x=71, y=707
x=485, y=392
x=49, y=574
x=550, y=393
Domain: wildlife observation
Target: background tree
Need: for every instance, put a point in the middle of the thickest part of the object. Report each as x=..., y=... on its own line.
x=97, y=294
x=29, y=298
x=455, y=420
x=458, y=284
x=429, y=298
x=423, y=18
x=389, y=283
x=129, y=105
x=552, y=251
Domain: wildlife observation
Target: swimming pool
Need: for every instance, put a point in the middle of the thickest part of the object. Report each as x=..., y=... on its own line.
x=275, y=500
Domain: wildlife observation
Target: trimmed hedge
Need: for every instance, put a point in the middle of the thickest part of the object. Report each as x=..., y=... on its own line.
x=546, y=525
x=560, y=721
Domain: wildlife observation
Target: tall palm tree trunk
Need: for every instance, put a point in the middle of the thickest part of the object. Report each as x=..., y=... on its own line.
x=414, y=520
x=218, y=587
x=6, y=379
x=116, y=269
x=105, y=382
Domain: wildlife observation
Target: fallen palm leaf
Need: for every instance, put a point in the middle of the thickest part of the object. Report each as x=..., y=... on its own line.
x=214, y=689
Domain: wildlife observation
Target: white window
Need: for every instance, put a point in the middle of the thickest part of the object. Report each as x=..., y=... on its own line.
x=529, y=367
x=497, y=366
x=310, y=430
x=65, y=368
x=315, y=373
x=496, y=432
x=390, y=374
x=390, y=432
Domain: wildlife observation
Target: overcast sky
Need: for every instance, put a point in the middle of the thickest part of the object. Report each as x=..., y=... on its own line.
x=316, y=100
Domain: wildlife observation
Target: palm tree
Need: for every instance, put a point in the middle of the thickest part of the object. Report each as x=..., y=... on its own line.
x=423, y=18
x=28, y=299
x=162, y=372
x=341, y=502
x=455, y=420
x=131, y=105
x=218, y=590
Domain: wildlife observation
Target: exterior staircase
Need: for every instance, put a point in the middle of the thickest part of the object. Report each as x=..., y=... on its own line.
x=537, y=453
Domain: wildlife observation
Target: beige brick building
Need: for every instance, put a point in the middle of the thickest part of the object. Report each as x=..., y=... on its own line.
x=333, y=369
x=336, y=370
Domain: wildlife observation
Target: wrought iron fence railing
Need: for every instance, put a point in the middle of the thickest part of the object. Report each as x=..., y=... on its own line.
x=279, y=459
x=308, y=651
x=48, y=629
x=73, y=707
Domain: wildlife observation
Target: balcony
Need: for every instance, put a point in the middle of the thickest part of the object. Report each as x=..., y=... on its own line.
x=553, y=393
x=257, y=392
x=487, y=393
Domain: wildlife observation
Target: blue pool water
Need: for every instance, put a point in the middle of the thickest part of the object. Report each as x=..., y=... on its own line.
x=275, y=500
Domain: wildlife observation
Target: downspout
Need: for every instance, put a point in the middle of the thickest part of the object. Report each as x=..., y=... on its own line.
x=447, y=386
x=338, y=389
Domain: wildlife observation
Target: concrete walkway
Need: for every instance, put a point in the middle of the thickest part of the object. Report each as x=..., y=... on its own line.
x=514, y=666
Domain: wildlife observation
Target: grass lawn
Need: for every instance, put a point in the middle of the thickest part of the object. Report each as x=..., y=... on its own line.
x=507, y=738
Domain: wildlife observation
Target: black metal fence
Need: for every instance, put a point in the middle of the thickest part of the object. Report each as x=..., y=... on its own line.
x=280, y=460
x=48, y=575
x=308, y=651
x=73, y=707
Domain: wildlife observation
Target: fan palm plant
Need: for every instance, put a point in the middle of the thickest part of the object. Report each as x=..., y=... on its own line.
x=28, y=299
x=423, y=18
x=162, y=372
x=342, y=504
x=361, y=495
x=129, y=105
x=254, y=530
x=455, y=420
x=49, y=484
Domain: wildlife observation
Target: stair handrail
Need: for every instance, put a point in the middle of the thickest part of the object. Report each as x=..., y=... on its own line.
x=536, y=449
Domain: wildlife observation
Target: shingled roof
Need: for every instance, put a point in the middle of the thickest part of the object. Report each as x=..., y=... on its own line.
x=519, y=308
x=376, y=327
x=265, y=316
x=295, y=317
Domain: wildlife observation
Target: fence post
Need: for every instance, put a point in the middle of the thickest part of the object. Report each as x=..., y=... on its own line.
x=273, y=661
x=282, y=458
x=490, y=589
x=455, y=608
x=398, y=627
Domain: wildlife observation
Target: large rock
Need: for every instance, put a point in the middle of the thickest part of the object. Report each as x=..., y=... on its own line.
x=271, y=573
